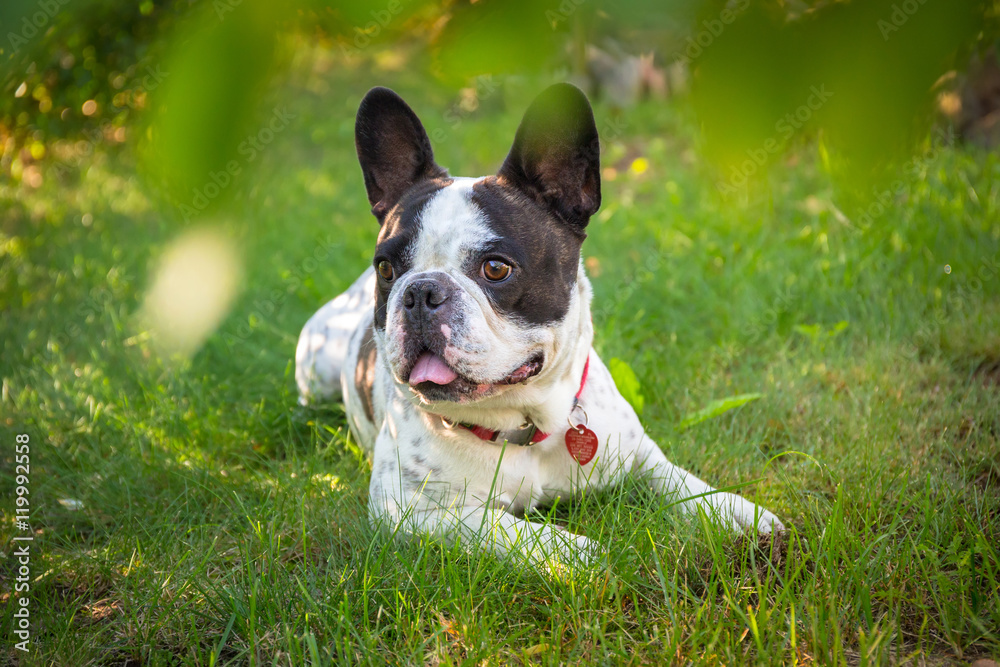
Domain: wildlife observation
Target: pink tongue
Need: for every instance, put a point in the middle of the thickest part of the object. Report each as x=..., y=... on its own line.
x=431, y=368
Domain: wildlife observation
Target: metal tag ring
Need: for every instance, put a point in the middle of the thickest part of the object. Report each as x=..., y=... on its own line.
x=586, y=419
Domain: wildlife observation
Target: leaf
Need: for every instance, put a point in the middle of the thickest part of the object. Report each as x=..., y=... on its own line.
x=627, y=383
x=71, y=504
x=535, y=650
x=812, y=331
x=495, y=38
x=716, y=408
x=840, y=326
x=207, y=121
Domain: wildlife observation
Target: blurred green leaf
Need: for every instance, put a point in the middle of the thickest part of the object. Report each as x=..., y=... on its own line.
x=207, y=108
x=862, y=73
x=494, y=37
x=628, y=384
x=815, y=332
x=716, y=408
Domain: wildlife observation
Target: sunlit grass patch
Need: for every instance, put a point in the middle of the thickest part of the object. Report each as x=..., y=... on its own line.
x=217, y=519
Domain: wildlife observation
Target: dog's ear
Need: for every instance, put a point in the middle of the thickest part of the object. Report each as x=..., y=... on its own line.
x=556, y=156
x=393, y=149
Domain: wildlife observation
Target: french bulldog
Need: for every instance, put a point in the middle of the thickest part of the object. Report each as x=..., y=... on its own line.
x=463, y=354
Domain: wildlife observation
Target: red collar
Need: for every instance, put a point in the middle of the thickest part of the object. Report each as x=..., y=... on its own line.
x=525, y=435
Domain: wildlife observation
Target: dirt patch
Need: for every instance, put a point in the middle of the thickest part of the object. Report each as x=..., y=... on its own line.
x=987, y=476
x=100, y=610
x=988, y=372
x=770, y=550
x=971, y=428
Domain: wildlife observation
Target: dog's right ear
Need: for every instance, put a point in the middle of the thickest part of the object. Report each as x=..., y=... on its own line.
x=393, y=149
x=556, y=156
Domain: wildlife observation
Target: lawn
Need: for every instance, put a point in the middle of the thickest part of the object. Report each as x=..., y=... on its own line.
x=185, y=510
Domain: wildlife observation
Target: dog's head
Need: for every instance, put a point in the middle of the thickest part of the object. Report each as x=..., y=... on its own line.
x=476, y=278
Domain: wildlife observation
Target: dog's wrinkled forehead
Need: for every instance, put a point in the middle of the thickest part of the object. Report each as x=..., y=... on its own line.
x=435, y=227
x=461, y=222
x=452, y=227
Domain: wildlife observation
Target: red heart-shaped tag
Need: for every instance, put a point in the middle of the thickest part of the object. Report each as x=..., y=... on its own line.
x=581, y=443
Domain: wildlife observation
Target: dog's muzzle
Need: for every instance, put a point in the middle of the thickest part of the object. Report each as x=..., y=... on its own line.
x=428, y=303
x=429, y=312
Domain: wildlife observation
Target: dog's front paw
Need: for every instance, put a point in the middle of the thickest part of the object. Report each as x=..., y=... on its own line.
x=767, y=522
x=747, y=516
x=564, y=551
x=737, y=513
x=573, y=549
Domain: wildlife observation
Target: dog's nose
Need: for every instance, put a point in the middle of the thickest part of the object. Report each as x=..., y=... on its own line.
x=424, y=295
x=429, y=301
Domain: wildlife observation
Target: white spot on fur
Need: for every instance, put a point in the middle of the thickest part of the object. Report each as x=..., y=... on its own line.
x=451, y=226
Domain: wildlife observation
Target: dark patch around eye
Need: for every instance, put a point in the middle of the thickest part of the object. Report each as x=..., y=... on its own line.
x=546, y=252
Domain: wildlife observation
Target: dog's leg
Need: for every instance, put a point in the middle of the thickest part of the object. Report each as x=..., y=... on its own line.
x=422, y=507
x=616, y=417
x=731, y=510
x=503, y=534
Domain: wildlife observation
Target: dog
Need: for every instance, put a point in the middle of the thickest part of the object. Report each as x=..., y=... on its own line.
x=463, y=354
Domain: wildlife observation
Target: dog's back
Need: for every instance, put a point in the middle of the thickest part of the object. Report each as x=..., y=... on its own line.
x=324, y=343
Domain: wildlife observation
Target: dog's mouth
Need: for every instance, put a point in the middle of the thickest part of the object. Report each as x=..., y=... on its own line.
x=434, y=380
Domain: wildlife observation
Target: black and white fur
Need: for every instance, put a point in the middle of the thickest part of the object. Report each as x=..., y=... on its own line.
x=436, y=231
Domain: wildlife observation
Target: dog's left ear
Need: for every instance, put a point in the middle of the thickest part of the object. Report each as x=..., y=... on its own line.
x=393, y=149
x=556, y=156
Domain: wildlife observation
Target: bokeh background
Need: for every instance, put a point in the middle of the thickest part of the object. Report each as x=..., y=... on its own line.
x=801, y=217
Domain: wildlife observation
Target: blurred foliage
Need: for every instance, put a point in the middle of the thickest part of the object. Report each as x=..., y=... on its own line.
x=56, y=57
x=862, y=74
x=208, y=105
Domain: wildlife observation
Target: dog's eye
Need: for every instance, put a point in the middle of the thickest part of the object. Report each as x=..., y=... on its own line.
x=385, y=270
x=496, y=271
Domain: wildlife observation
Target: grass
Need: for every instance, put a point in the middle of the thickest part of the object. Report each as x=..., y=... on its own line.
x=223, y=524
